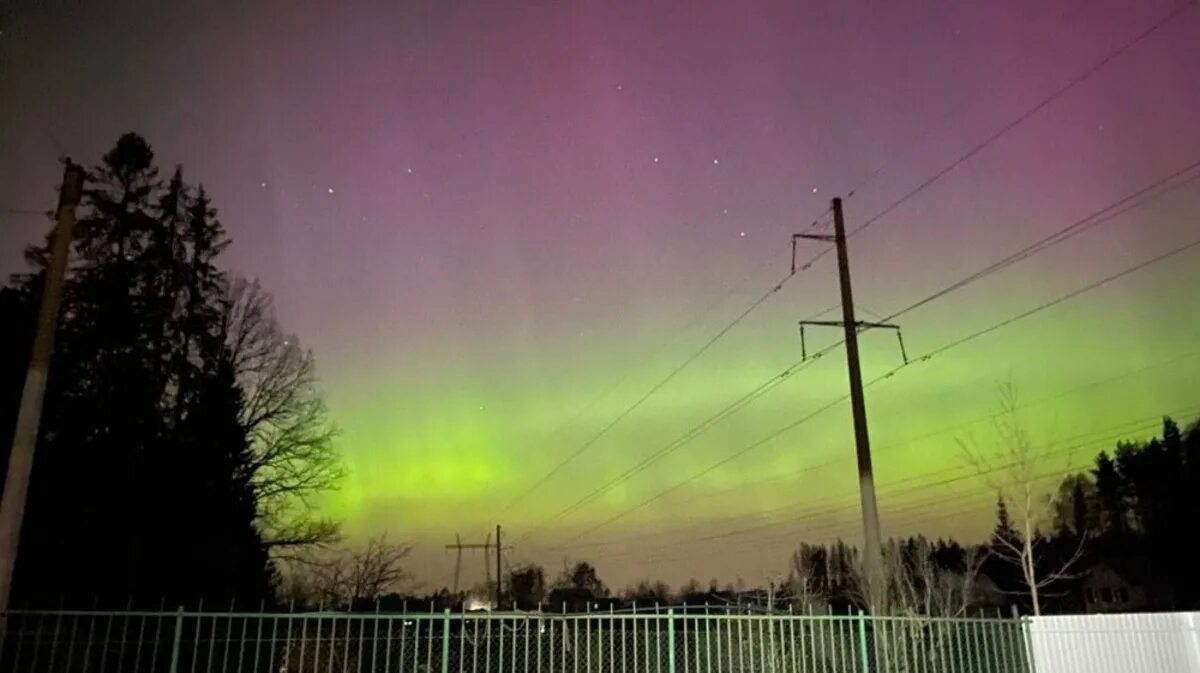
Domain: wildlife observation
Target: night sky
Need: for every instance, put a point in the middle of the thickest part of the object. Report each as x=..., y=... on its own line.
x=499, y=224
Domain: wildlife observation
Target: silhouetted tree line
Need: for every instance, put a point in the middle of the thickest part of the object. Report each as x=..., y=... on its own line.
x=1137, y=510
x=182, y=435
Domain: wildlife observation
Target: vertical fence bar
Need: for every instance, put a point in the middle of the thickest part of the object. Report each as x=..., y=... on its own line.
x=16, y=626
x=350, y=621
x=658, y=641
x=487, y=651
x=121, y=644
x=176, y=641
x=54, y=640
x=242, y=641
x=333, y=622
x=475, y=645
x=670, y=640
x=316, y=655
x=446, y=640
x=258, y=636
x=87, y=648
x=864, y=656
x=416, y=635
x=37, y=643
x=624, y=658
x=212, y=641
x=287, y=638
x=361, y=623
x=387, y=647
x=71, y=646
x=137, y=657
x=429, y=640
x=304, y=640
x=228, y=638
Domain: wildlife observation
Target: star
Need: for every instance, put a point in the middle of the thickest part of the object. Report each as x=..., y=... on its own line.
x=724, y=211
x=742, y=234
x=331, y=190
x=814, y=190
x=620, y=87
x=408, y=170
x=262, y=185
x=716, y=161
x=656, y=160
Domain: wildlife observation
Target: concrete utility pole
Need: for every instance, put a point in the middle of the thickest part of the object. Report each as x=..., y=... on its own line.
x=873, y=550
x=20, y=461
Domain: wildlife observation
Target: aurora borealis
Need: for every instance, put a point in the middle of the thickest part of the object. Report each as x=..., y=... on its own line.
x=498, y=225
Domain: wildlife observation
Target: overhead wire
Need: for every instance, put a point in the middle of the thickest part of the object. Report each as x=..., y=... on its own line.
x=1086, y=440
x=1046, y=27
x=1119, y=207
x=1020, y=119
x=907, y=442
x=923, y=358
x=704, y=347
x=1025, y=116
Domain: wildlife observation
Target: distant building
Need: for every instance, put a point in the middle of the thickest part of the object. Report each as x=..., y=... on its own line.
x=1124, y=585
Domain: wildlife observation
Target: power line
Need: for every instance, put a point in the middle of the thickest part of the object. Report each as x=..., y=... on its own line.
x=1109, y=212
x=907, y=442
x=912, y=193
x=1023, y=117
x=656, y=387
x=613, y=387
x=1140, y=423
x=1046, y=27
x=927, y=356
x=1125, y=204
x=1143, y=423
x=1054, y=302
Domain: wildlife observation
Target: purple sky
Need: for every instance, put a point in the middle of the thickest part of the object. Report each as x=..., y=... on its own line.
x=481, y=215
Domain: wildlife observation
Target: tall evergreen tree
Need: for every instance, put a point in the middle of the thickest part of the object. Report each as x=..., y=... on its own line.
x=143, y=484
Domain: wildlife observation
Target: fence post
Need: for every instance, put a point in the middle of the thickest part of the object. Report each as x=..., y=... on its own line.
x=670, y=640
x=178, y=637
x=446, y=640
x=863, y=651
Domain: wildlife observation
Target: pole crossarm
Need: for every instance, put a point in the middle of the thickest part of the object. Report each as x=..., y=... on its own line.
x=860, y=325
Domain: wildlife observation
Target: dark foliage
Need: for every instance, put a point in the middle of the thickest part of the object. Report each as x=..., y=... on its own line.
x=143, y=484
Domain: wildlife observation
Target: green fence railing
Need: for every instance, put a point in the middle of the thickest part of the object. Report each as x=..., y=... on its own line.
x=36, y=641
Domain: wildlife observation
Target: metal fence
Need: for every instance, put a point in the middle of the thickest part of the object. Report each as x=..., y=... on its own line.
x=684, y=642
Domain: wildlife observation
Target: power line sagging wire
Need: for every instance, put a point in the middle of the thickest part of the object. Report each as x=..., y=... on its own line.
x=1038, y=402
x=592, y=440
x=920, y=359
x=1023, y=117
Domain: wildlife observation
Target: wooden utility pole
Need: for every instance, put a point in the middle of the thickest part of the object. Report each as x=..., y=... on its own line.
x=29, y=414
x=872, y=546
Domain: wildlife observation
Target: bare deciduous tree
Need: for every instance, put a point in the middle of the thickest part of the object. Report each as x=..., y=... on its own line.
x=1014, y=469
x=806, y=583
x=285, y=419
x=918, y=586
x=355, y=575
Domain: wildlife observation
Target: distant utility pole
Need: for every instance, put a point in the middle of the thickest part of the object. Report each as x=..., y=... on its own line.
x=458, y=547
x=20, y=461
x=873, y=550
x=499, y=573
